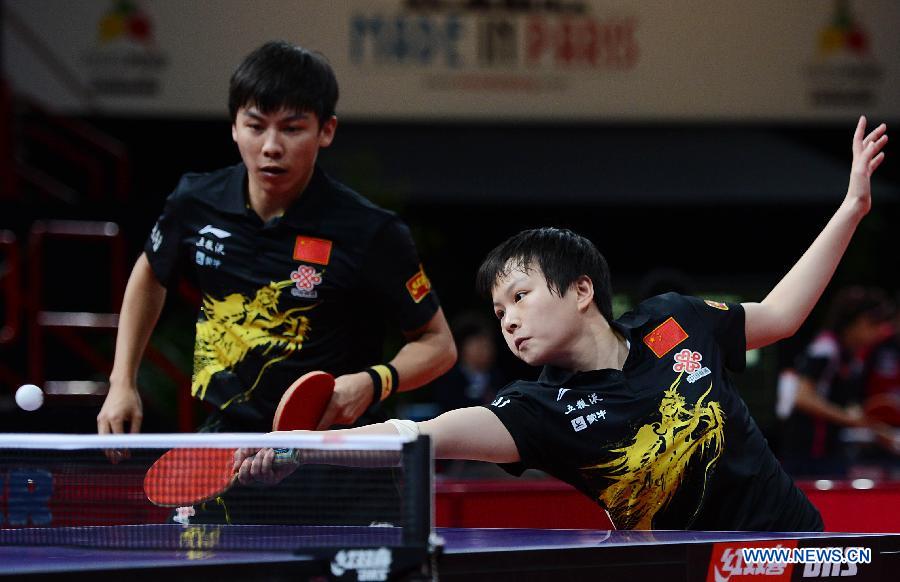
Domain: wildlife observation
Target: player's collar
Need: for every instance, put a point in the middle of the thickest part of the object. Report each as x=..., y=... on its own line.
x=303, y=211
x=629, y=321
x=233, y=199
x=556, y=376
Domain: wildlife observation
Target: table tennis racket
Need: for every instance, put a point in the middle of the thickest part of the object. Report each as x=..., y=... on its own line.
x=883, y=408
x=187, y=476
x=304, y=403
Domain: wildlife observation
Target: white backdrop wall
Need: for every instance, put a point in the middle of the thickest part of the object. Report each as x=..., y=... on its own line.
x=553, y=60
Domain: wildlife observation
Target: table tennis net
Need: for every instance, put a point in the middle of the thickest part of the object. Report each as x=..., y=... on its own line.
x=63, y=489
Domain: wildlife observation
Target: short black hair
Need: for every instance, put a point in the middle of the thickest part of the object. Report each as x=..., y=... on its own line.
x=280, y=75
x=562, y=256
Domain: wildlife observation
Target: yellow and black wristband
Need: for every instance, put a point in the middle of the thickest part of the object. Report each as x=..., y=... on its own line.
x=385, y=381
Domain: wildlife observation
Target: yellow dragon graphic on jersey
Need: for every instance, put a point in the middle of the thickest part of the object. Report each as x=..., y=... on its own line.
x=646, y=473
x=237, y=325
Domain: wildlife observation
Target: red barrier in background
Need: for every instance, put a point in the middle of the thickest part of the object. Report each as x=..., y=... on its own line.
x=846, y=508
x=547, y=503
x=538, y=503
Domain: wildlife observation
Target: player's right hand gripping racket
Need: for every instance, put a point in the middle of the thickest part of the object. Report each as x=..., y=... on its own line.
x=189, y=476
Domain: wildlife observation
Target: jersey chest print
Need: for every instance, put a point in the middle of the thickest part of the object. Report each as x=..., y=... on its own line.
x=237, y=325
x=646, y=470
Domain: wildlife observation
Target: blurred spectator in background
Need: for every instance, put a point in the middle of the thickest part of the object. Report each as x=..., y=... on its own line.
x=882, y=391
x=475, y=378
x=883, y=362
x=822, y=396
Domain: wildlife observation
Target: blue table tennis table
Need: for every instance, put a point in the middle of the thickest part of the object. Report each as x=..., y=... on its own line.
x=268, y=552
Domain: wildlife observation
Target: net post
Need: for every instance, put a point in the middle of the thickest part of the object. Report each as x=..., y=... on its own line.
x=419, y=491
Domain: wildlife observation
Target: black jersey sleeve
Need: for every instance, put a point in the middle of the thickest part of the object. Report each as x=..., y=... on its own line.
x=522, y=417
x=393, y=273
x=164, y=243
x=726, y=321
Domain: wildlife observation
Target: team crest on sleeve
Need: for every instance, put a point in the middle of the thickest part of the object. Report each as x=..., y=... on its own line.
x=418, y=285
x=312, y=250
x=665, y=337
x=716, y=304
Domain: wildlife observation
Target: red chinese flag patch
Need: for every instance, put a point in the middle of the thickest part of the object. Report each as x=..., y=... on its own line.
x=312, y=250
x=418, y=285
x=666, y=336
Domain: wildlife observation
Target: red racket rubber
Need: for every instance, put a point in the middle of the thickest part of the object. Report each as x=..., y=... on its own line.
x=303, y=404
x=190, y=476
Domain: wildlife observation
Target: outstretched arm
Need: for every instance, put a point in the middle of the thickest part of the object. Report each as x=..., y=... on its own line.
x=473, y=433
x=787, y=306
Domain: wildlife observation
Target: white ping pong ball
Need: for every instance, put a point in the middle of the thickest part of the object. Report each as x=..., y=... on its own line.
x=29, y=397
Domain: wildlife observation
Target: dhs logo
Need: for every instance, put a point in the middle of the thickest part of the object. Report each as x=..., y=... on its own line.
x=369, y=564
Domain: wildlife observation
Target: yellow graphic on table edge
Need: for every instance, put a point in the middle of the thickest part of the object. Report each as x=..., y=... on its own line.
x=200, y=540
x=646, y=473
x=238, y=325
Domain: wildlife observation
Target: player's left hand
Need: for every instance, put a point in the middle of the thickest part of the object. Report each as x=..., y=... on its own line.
x=352, y=395
x=257, y=466
x=867, y=156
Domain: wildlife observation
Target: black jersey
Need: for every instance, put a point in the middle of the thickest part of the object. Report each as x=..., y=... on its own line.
x=667, y=442
x=309, y=290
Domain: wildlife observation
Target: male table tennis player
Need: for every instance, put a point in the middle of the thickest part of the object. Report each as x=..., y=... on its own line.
x=297, y=272
x=638, y=413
